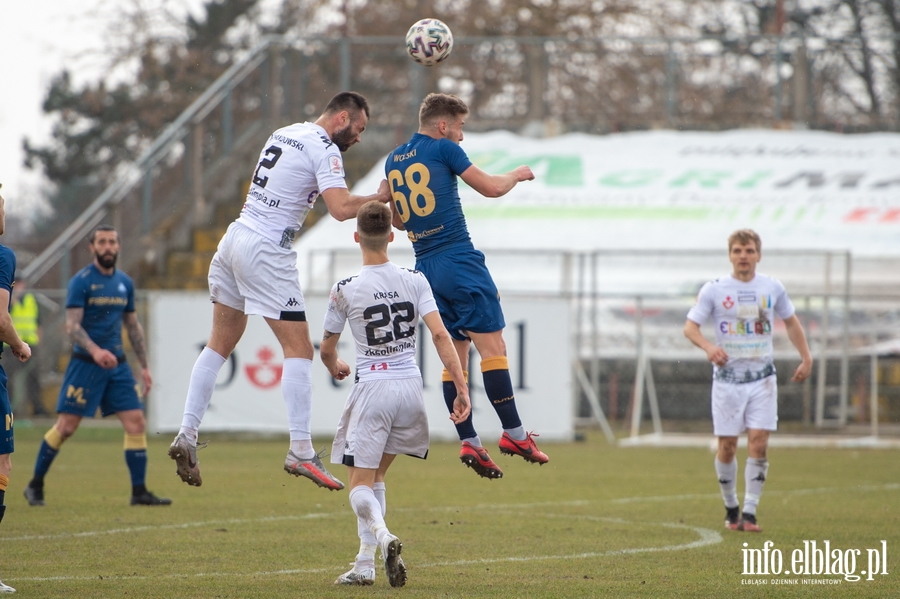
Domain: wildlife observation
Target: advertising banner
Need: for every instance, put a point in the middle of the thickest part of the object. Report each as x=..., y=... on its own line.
x=248, y=391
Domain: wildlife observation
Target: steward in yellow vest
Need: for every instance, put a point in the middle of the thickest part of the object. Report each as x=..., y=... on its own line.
x=25, y=314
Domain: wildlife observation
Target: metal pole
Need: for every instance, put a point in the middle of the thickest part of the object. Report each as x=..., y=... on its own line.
x=146, y=200
x=595, y=349
x=637, y=400
x=807, y=384
x=873, y=391
x=845, y=343
x=823, y=349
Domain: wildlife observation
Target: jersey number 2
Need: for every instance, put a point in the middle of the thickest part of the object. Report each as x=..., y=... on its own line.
x=421, y=198
x=273, y=153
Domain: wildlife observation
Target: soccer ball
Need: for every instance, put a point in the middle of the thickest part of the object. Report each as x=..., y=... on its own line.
x=429, y=41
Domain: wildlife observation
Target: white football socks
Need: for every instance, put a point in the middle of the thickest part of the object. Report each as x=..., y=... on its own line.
x=296, y=387
x=367, y=509
x=755, y=478
x=727, y=475
x=200, y=389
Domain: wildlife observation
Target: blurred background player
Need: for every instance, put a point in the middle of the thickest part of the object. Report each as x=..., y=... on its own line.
x=385, y=413
x=26, y=317
x=100, y=302
x=422, y=176
x=254, y=271
x=21, y=351
x=742, y=306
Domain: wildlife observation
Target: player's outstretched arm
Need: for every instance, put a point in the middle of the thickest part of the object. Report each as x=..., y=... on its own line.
x=329, y=354
x=343, y=205
x=494, y=186
x=798, y=339
x=77, y=335
x=442, y=342
x=8, y=334
x=714, y=353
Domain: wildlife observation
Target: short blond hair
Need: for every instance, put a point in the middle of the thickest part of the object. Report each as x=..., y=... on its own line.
x=745, y=237
x=437, y=106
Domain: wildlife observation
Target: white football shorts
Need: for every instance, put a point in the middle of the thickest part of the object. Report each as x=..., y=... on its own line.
x=381, y=416
x=739, y=406
x=254, y=275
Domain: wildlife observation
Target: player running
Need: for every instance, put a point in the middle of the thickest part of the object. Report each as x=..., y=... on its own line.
x=385, y=413
x=743, y=306
x=254, y=271
x=422, y=176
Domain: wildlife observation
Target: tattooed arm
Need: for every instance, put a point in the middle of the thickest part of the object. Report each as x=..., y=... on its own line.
x=77, y=335
x=136, y=335
x=329, y=354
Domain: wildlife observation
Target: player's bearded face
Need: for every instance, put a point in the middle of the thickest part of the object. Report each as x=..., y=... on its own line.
x=351, y=133
x=344, y=138
x=108, y=258
x=105, y=248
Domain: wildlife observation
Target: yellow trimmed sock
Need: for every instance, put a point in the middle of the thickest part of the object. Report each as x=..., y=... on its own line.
x=4, y=481
x=135, y=441
x=446, y=378
x=495, y=363
x=54, y=439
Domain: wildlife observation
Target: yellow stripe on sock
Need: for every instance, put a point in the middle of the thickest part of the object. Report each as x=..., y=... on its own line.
x=495, y=363
x=4, y=480
x=54, y=439
x=446, y=378
x=136, y=441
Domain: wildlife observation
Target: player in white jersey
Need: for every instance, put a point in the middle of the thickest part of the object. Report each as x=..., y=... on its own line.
x=254, y=271
x=743, y=306
x=385, y=412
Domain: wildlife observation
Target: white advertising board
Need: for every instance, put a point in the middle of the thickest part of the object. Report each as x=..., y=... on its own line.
x=248, y=391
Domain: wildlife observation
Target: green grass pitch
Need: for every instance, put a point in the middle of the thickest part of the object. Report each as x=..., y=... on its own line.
x=597, y=521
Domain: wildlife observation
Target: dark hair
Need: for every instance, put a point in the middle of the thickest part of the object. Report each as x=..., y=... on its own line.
x=373, y=223
x=101, y=228
x=435, y=106
x=352, y=102
x=744, y=237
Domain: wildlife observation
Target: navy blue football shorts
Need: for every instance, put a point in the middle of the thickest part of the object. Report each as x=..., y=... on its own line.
x=466, y=296
x=6, y=439
x=87, y=386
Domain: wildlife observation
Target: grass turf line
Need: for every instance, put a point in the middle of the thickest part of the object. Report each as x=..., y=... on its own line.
x=588, y=524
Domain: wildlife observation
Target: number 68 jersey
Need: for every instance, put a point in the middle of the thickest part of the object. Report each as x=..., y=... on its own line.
x=422, y=175
x=383, y=303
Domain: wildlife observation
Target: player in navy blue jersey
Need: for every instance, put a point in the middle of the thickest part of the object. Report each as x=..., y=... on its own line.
x=21, y=351
x=422, y=175
x=100, y=302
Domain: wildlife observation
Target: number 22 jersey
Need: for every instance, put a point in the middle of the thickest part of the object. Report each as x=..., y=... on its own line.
x=383, y=303
x=422, y=174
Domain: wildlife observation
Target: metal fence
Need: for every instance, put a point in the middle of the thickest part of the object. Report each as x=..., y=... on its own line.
x=537, y=86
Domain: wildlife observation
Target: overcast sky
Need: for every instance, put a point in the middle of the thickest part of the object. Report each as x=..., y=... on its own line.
x=39, y=39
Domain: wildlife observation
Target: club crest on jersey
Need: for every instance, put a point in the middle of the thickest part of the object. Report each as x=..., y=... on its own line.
x=728, y=303
x=337, y=167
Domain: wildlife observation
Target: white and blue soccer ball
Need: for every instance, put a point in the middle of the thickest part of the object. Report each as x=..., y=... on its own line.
x=429, y=42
